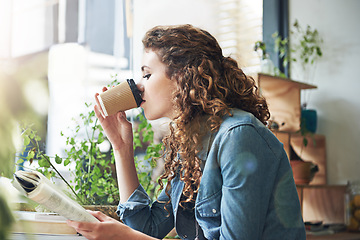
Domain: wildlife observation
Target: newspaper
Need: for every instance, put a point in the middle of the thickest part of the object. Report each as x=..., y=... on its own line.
x=41, y=190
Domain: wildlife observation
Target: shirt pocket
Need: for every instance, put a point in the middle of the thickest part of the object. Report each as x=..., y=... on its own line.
x=208, y=211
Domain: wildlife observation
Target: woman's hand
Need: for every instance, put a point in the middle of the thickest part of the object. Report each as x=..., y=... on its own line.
x=117, y=128
x=107, y=229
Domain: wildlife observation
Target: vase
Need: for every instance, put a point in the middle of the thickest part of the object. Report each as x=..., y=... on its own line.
x=309, y=119
x=303, y=171
x=352, y=206
x=267, y=66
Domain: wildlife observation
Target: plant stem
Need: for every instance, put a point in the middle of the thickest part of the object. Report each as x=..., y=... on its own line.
x=53, y=167
x=48, y=159
x=91, y=147
x=58, y=173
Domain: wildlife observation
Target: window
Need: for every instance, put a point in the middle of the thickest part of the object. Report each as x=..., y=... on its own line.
x=27, y=26
x=240, y=26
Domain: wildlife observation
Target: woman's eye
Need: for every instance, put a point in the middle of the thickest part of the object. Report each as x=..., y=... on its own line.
x=147, y=76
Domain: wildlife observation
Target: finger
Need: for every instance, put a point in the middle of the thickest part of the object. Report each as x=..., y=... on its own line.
x=97, y=99
x=98, y=113
x=81, y=226
x=121, y=116
x=87, y=235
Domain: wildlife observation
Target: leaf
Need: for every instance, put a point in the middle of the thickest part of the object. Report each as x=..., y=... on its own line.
x=20, y=161
x=43, y=163
x=26, y=140
x=58, y=159
x=66, y=162
x=305, y=141
x=31, y=154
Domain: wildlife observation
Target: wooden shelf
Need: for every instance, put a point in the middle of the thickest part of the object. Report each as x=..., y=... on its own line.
x=336, y=236
x=314, y=152
x=268, y=80
x=319, y=201
x=284, y=100
x=322, y=202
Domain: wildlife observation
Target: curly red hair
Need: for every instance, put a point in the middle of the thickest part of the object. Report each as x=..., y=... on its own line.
x=208, y=86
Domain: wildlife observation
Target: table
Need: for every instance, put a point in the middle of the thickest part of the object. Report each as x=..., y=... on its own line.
x=23, y=236
x=336, y=236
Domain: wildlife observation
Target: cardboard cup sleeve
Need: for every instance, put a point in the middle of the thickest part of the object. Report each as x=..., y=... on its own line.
x=123, y=97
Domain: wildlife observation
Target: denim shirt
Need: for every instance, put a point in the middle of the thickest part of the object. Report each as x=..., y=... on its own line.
x=247, y=190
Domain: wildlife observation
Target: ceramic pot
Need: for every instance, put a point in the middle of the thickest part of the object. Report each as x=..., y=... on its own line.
x=309, y=118
x=303, y=171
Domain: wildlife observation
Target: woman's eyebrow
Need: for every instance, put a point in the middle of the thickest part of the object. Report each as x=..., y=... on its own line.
x=143, y=67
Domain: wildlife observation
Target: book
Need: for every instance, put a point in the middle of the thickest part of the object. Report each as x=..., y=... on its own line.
x=38, y=188
x=41, y=223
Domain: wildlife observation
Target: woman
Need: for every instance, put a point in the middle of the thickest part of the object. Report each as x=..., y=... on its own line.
x=228, y=175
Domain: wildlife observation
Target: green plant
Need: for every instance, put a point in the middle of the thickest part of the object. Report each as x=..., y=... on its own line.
x=94, y=174
x=94, y=178
x=281, y=46
x=307, y=45
x=266, y=64
x=304, y=49
x=84, y=152
x=305, y=133
x=144, y=136
x=260, y=45
x=6, y=216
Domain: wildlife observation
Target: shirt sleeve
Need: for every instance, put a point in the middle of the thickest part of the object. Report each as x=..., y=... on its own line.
x=150, y=218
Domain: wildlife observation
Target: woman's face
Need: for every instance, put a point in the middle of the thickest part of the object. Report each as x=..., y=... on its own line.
x=158, y=88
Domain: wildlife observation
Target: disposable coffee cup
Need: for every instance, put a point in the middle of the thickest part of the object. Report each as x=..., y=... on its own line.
x=123, y=97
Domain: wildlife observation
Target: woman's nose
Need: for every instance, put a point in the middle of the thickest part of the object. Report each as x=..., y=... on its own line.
x=140, y=86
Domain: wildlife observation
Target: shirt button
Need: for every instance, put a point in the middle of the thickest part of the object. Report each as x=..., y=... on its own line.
x=214, y=210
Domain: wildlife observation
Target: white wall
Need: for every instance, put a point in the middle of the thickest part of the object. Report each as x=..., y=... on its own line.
x=337, y=98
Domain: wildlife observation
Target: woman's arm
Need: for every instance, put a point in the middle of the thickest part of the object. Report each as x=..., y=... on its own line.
x=107, y=229
x=134, y=207
x=126, y=174
x=151, y=218
x=259, y=197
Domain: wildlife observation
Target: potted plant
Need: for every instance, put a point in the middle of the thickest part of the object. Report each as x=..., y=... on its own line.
x=6, y=216
x=266, y=65
x=304, y=48
x=306, y=51
x=9, y=116
x=303, y=52
x=281, y=47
